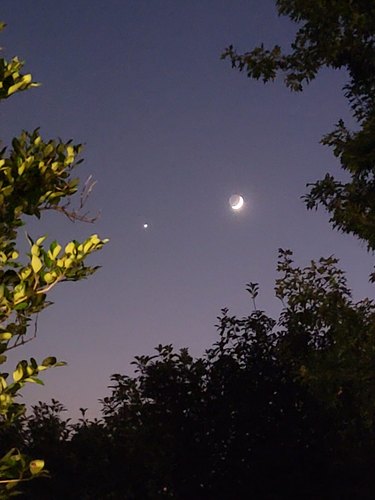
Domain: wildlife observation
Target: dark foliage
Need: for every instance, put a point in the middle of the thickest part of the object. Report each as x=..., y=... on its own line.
x=338, y=34
x=270, y=411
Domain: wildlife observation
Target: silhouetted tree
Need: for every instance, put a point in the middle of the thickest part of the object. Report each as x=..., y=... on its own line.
x=272, y=409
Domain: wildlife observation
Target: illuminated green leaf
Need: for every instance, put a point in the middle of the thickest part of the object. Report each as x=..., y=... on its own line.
x=18, y=373
x=36, y=466
x=40, y=240
x=35, y=250
x=36, y=264
x=49, y=277
x=34, y=380
x=69, y=247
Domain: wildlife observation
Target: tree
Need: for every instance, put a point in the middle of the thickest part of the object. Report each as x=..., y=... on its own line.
x=274, y=409
x=35, y=175
x=340, y=35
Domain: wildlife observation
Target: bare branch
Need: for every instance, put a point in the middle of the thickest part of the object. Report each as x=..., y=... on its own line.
x=75, y=215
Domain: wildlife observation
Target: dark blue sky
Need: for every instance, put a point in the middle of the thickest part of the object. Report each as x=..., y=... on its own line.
x=170, y=133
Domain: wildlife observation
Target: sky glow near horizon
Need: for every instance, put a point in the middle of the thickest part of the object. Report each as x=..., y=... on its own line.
x=170, y=133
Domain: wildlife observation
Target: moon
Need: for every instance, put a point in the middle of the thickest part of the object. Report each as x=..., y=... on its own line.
x=236, y=202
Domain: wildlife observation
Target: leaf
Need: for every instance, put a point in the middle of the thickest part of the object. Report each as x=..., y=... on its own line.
x=36, y=264
x=21, y=306
x=29, y=239
x=40, y=240
x=51, y=360
x=61, y=363
x=21, y=168
x=70, y=155
x=26, y=79
x=25, y=273
x=36, y=466
x=35, y=250
x=19, y=293
x=55, y=249
x=18, y=373
x=49, y=277
x=13, y=88
x=48, y=149
x=34, y=380
x=69, y=247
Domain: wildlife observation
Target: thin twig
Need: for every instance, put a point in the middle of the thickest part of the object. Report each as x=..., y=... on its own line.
x=20, y=340
x=51, y=285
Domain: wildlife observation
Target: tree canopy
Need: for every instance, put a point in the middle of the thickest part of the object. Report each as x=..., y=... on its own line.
x=35, y=175
x=337, y=34
x=273, y=410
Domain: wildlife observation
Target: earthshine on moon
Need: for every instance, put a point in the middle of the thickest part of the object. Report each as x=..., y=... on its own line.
x=236, y=202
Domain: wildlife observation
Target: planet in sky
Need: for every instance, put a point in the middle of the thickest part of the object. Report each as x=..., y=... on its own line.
x=145, y=225
x=236, y=202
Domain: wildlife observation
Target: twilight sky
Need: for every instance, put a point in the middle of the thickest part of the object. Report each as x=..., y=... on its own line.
x=170, y=133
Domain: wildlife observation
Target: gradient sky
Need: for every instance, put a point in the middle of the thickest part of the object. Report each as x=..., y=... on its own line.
x=170, y=132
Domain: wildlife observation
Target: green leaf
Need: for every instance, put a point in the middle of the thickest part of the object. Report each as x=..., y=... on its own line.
x=34, y=380
x=35, y=250
x=70, y=247
x=36, y=264
x=40, y=240
x=13, y=88
x=21, y=306
x=51, y=360
x=18, y=373
x=36, y=466
x=60, y=363
x=49, y=277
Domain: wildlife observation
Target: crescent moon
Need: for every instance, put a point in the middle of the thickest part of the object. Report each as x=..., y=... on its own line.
x=239, y=204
